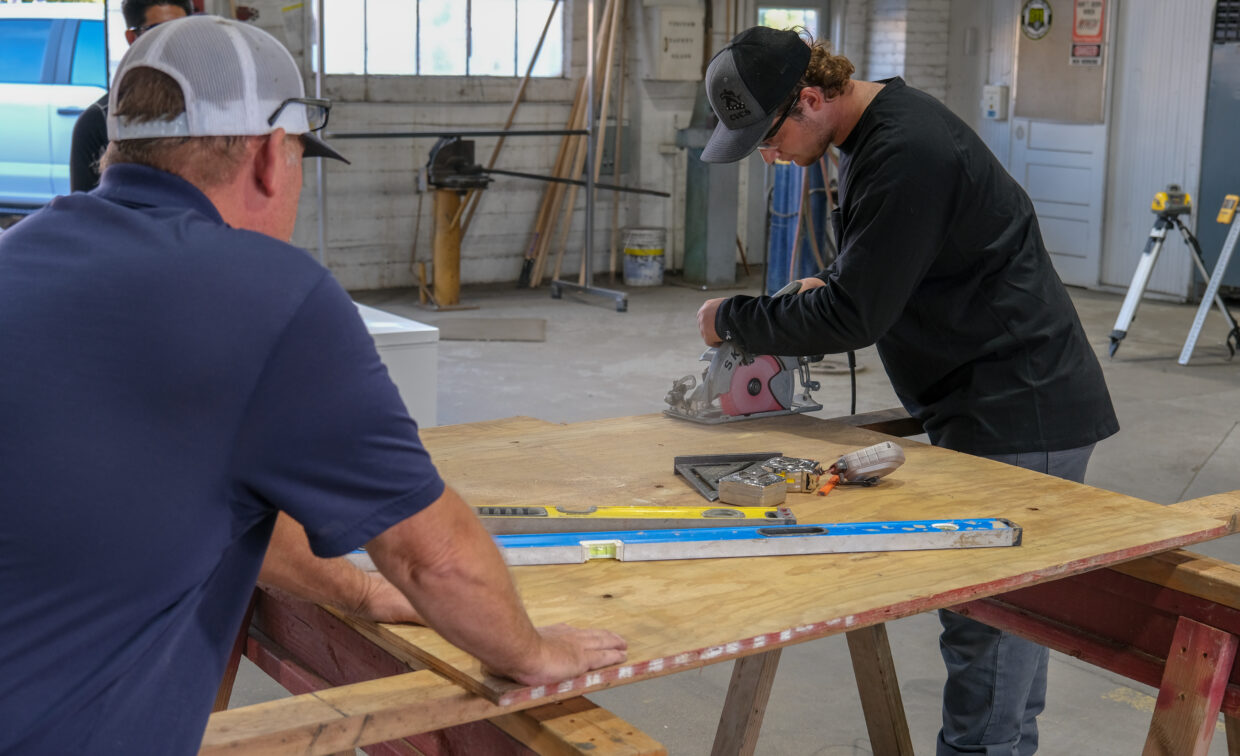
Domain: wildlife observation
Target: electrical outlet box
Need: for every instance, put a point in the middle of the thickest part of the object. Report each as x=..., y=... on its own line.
x=995, y=102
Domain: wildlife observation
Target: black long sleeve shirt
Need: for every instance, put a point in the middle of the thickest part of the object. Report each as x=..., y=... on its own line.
x=942, y=266
x=90, y=139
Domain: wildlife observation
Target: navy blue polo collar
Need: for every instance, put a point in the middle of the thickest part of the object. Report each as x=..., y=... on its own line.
x=142, y=186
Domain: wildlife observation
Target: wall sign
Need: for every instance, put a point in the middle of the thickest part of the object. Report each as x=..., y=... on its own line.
x=1035, y=19
x=1087, y=30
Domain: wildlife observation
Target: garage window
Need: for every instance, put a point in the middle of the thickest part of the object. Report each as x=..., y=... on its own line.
x=441, y=37
x=784, y=17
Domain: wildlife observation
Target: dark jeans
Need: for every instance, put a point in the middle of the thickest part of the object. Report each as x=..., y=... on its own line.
x=996, y=681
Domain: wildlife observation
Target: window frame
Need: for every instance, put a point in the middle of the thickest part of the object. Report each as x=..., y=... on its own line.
x=563, y=12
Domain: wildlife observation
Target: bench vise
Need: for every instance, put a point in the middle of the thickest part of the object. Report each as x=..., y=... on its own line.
x=451, y=166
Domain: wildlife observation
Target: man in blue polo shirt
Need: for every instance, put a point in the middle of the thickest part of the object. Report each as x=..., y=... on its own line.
x=175, y=377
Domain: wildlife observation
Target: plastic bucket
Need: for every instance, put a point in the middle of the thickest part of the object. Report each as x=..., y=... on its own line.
x=643, y=256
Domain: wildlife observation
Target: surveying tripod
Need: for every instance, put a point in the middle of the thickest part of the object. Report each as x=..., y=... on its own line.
x=1168, y=206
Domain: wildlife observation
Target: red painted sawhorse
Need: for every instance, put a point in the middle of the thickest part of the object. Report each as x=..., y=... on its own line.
x=1171, y=620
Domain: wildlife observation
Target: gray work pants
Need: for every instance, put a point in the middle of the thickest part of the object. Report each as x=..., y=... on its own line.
x=996, y=681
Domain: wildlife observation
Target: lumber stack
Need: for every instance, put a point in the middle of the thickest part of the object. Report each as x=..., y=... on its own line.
x=555, y=211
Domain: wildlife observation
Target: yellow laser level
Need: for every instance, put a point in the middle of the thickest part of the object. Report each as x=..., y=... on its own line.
x=1228, y=210
x=1172, y=202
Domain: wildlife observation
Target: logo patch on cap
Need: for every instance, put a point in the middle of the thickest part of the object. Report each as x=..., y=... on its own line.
x=733, y=104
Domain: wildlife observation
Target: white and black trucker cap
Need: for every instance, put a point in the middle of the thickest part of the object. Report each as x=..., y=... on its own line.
x=746, y=82
x=237, y=80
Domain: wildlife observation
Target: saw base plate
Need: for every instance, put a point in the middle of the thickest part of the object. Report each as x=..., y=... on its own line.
x=717, y=416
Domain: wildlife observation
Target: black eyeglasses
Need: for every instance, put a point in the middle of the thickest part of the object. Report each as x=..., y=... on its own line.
x=138, y=31
x=316, y=111
x=796, y=97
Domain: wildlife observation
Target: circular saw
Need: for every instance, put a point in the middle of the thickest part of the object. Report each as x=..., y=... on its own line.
x=737, y=386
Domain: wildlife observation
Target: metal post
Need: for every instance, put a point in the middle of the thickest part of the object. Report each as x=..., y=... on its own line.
x=587, y=263
x=319, y=172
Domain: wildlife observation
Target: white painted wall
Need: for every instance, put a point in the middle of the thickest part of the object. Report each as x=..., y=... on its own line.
x=981, y=50
x=925, y=50
x=1157, y=117
x=908, y=38
x=887, y=30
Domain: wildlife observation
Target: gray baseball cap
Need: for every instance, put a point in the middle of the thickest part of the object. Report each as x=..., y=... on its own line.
x=746, y=82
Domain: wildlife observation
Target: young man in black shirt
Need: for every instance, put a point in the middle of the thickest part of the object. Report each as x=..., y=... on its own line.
x=943, y=267
x=90, y=132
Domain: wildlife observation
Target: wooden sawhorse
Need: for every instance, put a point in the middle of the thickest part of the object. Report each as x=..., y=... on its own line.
x=365, y=697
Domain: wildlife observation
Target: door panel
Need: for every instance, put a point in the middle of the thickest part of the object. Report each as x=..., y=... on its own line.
x=25, y=151
x=1063, y=168
x=62, y=115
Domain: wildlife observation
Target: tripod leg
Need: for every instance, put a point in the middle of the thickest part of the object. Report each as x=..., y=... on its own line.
x=1207, y=299
x=1233, y=334
x=1140, y=278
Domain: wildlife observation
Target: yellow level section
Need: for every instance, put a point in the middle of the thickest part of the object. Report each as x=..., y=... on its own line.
x=660, y=513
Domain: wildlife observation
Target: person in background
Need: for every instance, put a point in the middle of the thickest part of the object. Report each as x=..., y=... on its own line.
x=943, y=267
x=182, y=378
x=90, y=132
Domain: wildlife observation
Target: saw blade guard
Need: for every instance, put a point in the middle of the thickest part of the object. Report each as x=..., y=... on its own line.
x=724, y=360
x=737, y=386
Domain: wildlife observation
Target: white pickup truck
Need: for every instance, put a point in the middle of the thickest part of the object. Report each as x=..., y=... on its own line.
x=52, y=66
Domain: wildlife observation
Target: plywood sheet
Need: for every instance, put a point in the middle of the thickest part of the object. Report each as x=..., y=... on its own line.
x=680, y=614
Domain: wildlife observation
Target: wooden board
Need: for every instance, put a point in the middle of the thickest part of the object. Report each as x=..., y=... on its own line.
x=680, y=614
x=361, y=714
x=490, y=329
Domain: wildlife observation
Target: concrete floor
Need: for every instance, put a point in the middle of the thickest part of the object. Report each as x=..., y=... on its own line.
x=1179, y=440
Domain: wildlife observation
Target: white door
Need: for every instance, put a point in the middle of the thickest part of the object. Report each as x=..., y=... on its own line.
x=1063, y=168
x=1059, y=126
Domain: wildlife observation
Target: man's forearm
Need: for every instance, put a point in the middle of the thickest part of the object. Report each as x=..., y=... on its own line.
x=292, y=567
x=457, y=565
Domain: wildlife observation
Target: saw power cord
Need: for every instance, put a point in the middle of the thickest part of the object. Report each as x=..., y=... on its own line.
x=794, y=287
x=852, y=373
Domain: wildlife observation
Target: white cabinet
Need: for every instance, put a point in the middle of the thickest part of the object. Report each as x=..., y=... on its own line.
x=410, y=350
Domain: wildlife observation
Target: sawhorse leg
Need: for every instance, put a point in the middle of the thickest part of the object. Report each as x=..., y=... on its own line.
x=224, y=694
x=752, y=677
x=880, y=692
x=1198, y=664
